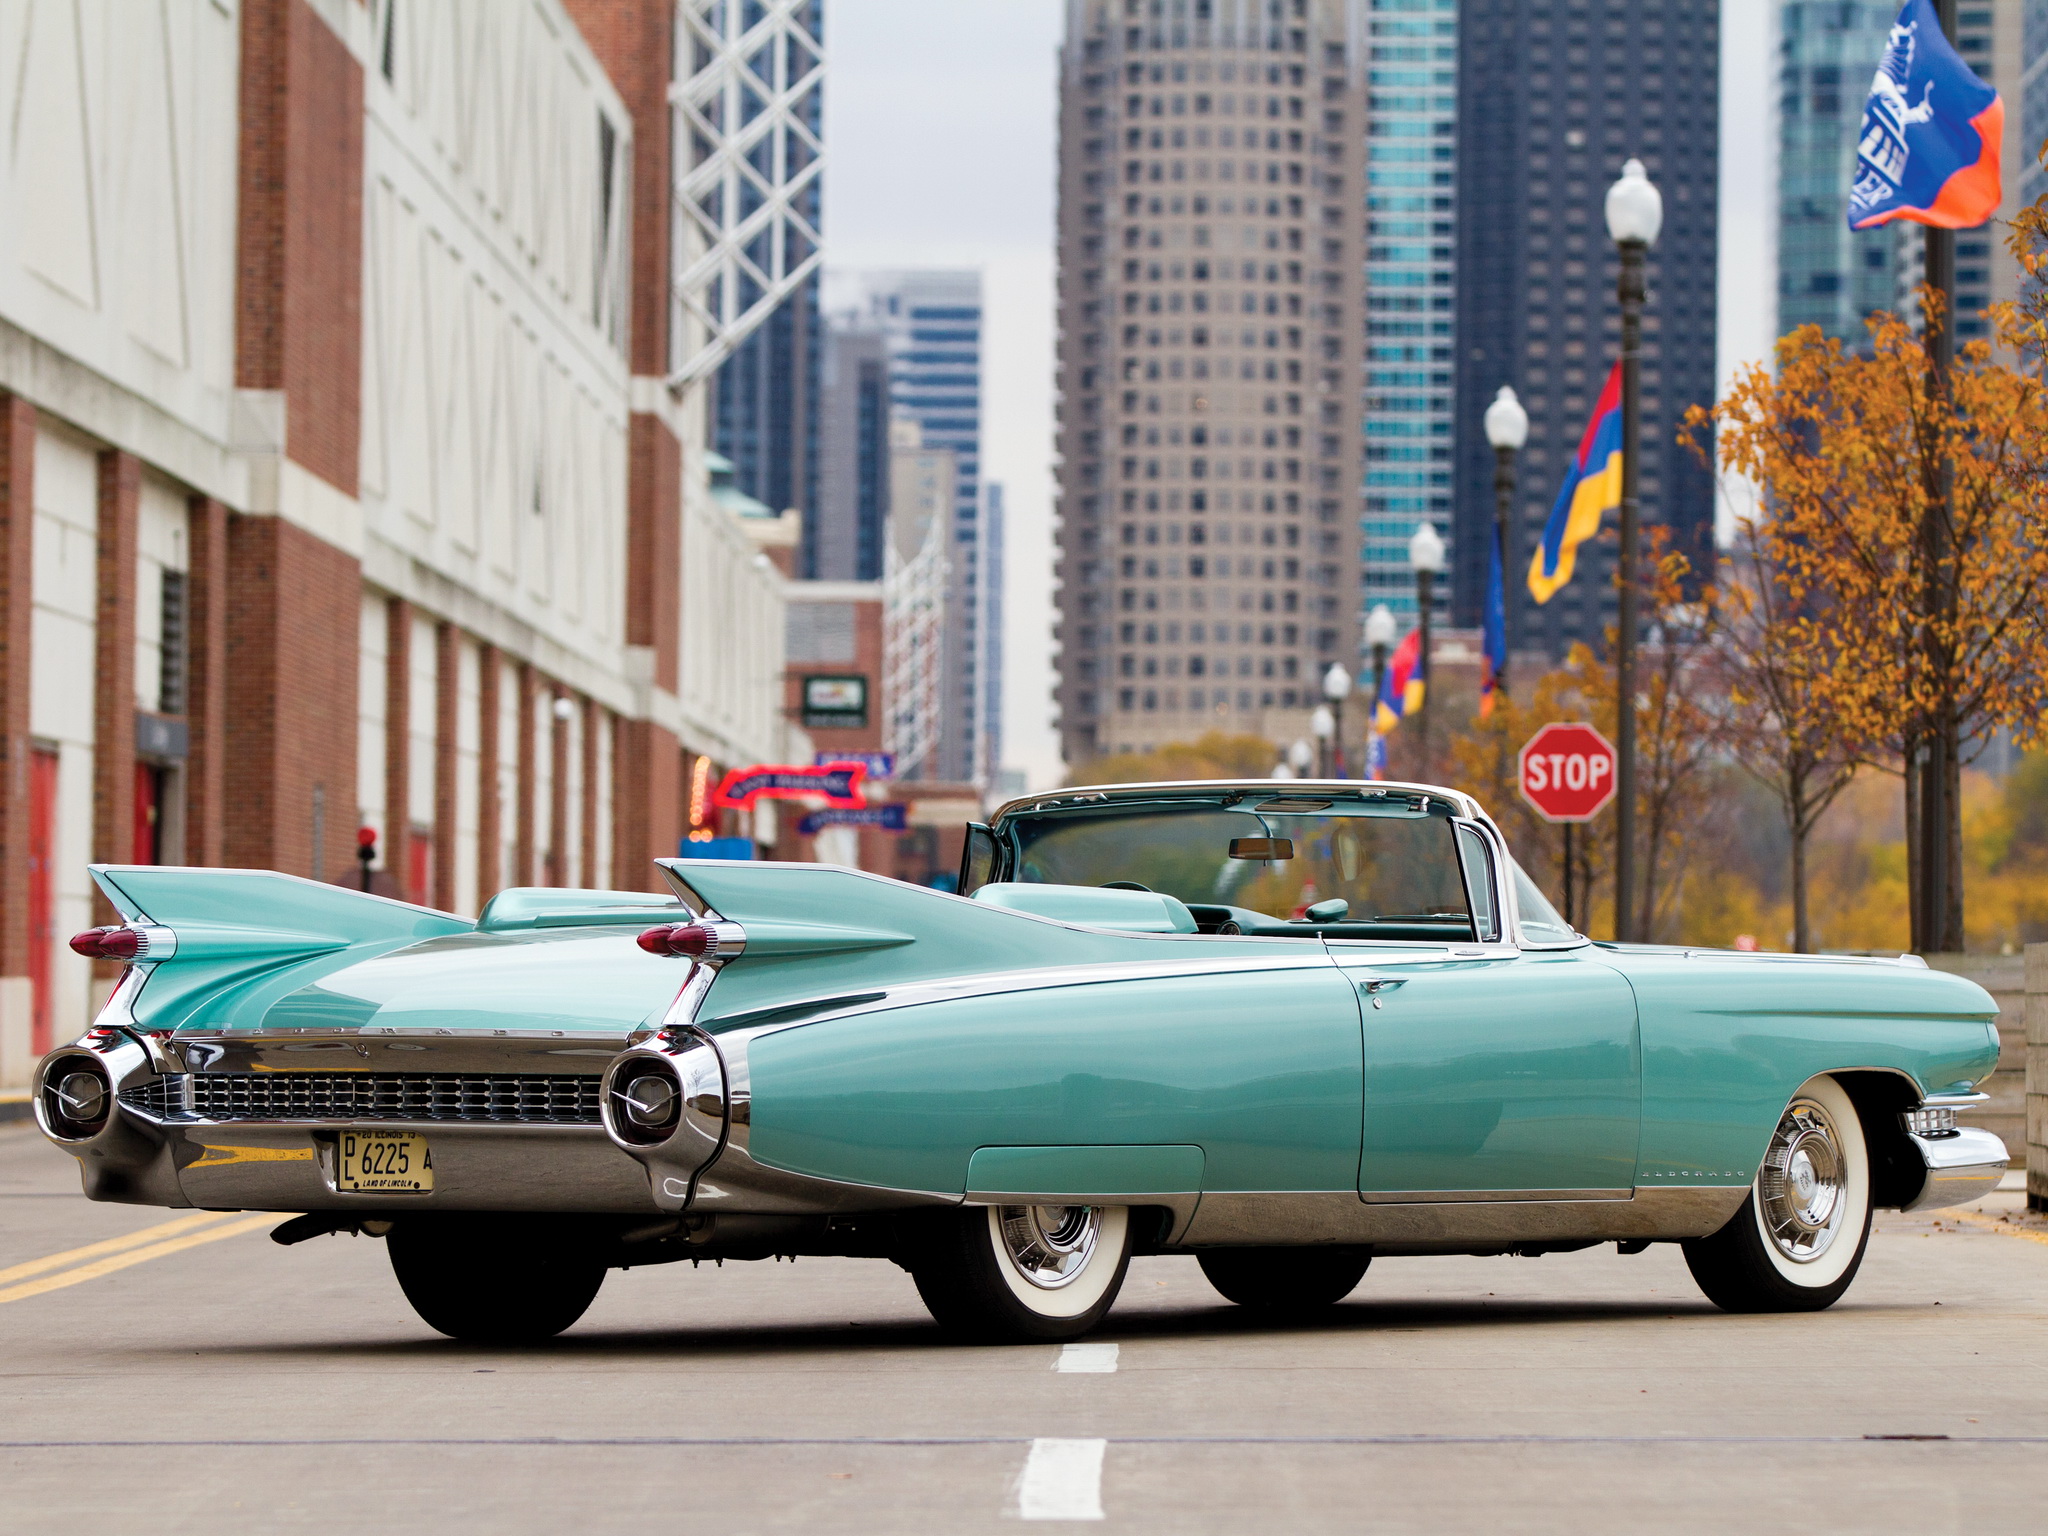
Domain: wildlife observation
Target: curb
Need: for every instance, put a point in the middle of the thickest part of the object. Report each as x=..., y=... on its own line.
x=16, y=1106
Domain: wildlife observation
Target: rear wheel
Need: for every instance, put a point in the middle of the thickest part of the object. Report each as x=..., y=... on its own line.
x=1024, y=1272
x=1798, y=1240
x=493, y=1282
x=1284, y=1281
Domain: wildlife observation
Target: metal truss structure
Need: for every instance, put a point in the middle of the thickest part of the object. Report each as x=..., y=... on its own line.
x=746, y=106
x=913, y=643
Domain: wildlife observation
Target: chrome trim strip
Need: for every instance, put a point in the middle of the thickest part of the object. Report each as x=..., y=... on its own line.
x=1047, y=978
x=1357, y=954
x=1953, y=1101
x=1460, y=802
x=1480, y=1196
x=1260, y=1218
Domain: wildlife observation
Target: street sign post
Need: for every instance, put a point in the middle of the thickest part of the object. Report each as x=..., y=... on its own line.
x=1566, y=774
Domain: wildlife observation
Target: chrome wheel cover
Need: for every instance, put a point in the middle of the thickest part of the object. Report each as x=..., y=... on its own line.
x=1802, y=1188
x=1050, y=1245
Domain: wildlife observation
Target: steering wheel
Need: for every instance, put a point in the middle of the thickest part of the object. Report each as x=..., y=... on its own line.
x=1126, y=885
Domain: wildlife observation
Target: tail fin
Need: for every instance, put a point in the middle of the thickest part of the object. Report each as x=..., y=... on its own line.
x=235, y=925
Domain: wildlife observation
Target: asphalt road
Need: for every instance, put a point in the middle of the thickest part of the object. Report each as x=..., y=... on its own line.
x=203, y=1379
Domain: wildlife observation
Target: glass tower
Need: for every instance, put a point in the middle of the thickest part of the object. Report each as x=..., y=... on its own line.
x=1828, y=274
x=1410, y=276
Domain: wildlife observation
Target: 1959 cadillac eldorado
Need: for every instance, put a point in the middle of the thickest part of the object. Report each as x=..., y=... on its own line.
x=1283, y=1028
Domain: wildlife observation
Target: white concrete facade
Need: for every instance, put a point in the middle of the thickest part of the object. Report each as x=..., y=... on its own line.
x=495, y=406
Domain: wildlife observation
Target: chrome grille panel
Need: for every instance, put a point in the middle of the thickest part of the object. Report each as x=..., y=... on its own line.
x=497, y=1097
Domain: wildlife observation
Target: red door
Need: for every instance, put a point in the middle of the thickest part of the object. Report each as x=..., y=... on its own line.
x=420, y=851
x=42, y=852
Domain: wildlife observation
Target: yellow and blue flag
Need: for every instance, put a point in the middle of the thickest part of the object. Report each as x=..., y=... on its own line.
x=1928, y=147
x=1592, y=485
x=1401, y=690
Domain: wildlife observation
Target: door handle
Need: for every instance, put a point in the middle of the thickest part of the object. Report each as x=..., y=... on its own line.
x=1375, y=987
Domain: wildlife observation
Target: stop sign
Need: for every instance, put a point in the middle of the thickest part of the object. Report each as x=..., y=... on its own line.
x=1567, y=772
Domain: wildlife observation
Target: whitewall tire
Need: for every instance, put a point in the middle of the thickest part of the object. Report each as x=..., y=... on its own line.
x=1024, y=1272
x=1799, y=1238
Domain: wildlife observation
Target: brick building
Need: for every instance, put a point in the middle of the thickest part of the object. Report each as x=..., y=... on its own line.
x=348, y=474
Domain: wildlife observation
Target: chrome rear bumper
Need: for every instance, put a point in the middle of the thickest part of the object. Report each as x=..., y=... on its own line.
x=1962, y=1165
x=251, y=1123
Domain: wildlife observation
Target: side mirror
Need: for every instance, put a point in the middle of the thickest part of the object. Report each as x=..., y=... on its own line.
x=977, y=858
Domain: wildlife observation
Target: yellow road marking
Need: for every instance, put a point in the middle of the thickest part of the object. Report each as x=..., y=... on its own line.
x=216, y=1155
x=153, y=1234
x=1992, y=1224
x=106, y=1266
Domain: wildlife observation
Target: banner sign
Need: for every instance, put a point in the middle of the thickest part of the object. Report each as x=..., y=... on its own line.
x=880, y=765
x=838, y=785
x=890, y=818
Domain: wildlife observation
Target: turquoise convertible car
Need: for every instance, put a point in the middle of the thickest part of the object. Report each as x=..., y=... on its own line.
x=1284, y=1028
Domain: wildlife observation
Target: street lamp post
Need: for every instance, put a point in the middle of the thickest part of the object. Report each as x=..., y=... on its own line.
x=1379, y=640
x=1299, y=756
x=1322, y=725
x=1426, y=559
x=1635, y=213
x=1336, y=687
x=1507, y=429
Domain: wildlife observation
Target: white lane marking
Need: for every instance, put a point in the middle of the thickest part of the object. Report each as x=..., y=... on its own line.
x=1086, y=1359
x=1062, y=1480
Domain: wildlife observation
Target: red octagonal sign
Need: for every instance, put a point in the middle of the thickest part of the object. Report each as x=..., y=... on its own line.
x=1567, y=772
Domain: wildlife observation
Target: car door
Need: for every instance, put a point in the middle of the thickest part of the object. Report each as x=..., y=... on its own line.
x=1495, y=1073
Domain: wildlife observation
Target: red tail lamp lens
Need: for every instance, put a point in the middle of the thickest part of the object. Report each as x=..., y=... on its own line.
x=691, y=939
x=115, y=943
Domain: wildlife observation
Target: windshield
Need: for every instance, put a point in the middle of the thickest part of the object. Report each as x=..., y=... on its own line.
x=1541, y=923
x=1260, y=864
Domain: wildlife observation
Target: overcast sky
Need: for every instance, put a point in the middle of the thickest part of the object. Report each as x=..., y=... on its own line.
x=941, y=132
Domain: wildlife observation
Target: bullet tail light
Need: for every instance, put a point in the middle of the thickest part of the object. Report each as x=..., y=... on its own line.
x=125, y=943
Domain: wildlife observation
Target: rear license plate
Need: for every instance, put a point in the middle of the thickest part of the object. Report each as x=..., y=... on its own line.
x=383, y=1162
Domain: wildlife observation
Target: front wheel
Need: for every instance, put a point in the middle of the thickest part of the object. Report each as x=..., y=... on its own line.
x=1799, y=1238
x=492, y=1282
x=1285, y=1281
x=1020, y=1273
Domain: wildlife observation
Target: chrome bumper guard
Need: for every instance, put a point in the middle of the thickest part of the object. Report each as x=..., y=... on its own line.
x=1963, y=1165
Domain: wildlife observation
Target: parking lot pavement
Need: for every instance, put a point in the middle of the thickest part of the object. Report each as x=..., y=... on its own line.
x=222, y=1384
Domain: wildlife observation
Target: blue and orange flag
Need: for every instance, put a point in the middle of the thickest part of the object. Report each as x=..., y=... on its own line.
x=1494, y=632
x=1592, y=485
x=1401, y=690
x=1928, y=149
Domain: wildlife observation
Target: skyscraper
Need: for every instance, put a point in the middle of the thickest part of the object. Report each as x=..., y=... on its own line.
x=1210, y=257
x=1410, y=295
x=843, y=539
x=931, y=321
x=1552, y=99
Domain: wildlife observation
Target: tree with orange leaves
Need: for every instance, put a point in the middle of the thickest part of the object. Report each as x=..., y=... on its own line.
x=1902, y=532
x=1775, y=656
